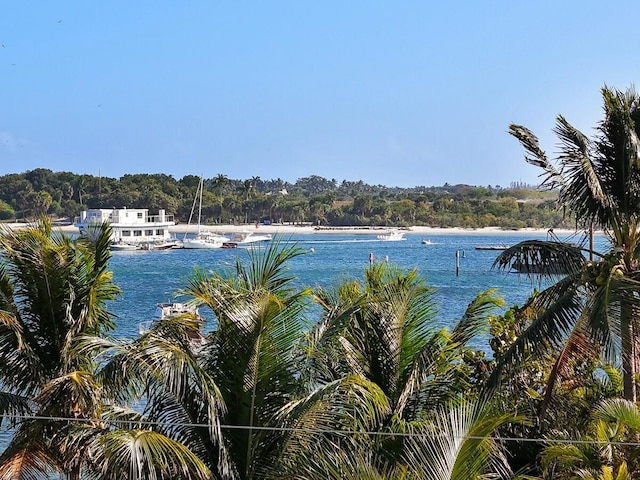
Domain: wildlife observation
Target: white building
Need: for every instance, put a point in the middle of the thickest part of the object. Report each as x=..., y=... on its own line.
x=129, y=225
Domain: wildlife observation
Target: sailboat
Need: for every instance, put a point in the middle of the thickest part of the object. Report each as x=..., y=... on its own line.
x=203, y=239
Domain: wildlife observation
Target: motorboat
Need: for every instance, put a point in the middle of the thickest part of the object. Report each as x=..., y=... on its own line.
x=124, y=247
x=203, y=240
x=391, y=236
x=426, y=241
x=247, y=238
x=167, y=245
x=168, y=310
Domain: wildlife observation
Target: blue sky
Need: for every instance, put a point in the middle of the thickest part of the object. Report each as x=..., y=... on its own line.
x=396, y=93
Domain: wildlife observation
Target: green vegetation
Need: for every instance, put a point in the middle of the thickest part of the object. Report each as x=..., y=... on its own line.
x=353, y=382
x=311, y=200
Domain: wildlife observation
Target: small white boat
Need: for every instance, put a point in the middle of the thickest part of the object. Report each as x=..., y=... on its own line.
x=492, y=247
x=124, y=247
x=167, y=310
x=248, y=238
x=168, y=245
x=391, y=236
x=426, y=241
x=204, y=241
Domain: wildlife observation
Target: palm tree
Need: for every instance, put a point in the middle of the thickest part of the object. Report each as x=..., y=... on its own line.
x=54, y=291
x=220, y=184
x=595, y=304
x=606, y=451
x=454, y=443
x=375, y=363
x=252, y=356
x=179, y=428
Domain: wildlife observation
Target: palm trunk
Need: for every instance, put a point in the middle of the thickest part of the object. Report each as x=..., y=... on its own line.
x=628, y=354
x=74, y=474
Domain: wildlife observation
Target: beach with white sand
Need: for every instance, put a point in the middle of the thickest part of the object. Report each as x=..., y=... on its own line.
x=279, y=229
x=289, y=229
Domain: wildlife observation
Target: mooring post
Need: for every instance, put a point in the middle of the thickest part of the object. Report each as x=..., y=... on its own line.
x=457, y=262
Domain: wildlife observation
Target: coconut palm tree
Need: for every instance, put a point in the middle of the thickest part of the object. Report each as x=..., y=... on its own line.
x=455, y=443
x=252, y=356
x=592, y=304
x=178, y=430
x=606, y=451
x=53, y=291
x=53, y=327
x=382, y=338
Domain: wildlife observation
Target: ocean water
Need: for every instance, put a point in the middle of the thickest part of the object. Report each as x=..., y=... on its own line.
x=151, y=277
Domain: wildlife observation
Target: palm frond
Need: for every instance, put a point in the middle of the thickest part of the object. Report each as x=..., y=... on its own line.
x=552, y=178
x=12, y=404
x=324, y=422
x=28, y=463
x=457, y=444
x=555, y=312
x=614, y=410
x=146, y=454
x=541, y=258
x=584, y=192
x=475, y=318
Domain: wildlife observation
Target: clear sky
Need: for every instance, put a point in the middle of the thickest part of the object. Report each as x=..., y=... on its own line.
x=399, y=93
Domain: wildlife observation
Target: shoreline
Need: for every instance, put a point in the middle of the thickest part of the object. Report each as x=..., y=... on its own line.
x=311, y=230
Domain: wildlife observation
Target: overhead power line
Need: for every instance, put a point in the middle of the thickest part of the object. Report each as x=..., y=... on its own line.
x=320, y=431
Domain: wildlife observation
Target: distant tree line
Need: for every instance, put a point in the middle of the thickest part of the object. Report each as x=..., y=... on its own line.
x=311, y=200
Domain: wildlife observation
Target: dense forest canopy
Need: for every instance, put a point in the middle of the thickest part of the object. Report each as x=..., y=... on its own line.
x=313, y=200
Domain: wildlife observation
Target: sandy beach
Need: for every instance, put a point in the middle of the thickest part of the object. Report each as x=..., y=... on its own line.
x=311, y=230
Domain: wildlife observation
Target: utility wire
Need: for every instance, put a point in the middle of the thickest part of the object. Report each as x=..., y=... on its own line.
x=149, y=423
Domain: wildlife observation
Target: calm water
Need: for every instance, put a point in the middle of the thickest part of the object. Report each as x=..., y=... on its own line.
x=147, y=278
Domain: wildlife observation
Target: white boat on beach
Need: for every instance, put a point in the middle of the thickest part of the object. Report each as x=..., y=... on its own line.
x=203, y=240
x=167, y=310
x=392, y=235
x=131, y=228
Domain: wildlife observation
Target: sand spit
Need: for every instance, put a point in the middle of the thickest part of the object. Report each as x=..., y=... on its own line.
x=310, y=230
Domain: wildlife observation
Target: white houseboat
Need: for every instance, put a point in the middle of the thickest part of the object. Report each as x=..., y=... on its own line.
x=130, y=226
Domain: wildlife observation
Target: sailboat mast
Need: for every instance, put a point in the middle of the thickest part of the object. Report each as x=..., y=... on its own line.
x=200, y=204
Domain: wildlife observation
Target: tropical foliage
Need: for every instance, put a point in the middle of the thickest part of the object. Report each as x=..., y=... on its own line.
x=313, y=200
x=356, y=381
x=54, y=291
x=594, y=305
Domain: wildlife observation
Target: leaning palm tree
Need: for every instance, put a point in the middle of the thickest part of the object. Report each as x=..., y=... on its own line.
x=54, y=290
x=592, y=304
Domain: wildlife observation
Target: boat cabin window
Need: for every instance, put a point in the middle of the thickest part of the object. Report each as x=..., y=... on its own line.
x=126, y=233
x=139, y=214
x=148, y=233
x=137, y=233
x=159, y=231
